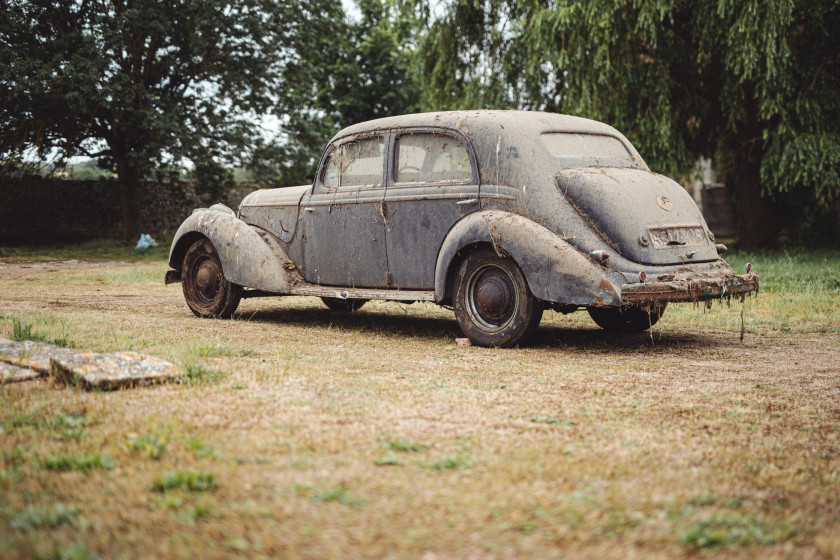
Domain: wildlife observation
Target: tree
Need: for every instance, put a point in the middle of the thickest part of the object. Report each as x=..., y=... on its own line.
x=346, y=72
x=755, y=84
x=138, y=83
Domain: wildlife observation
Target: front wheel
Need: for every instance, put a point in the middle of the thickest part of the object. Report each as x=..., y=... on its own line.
x=493, y=304
x=626, y=319
x=206, y=290
x=343, y=305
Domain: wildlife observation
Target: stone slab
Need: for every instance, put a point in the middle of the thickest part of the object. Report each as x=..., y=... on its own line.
x=14, y=374
x=23, y=361
x=112, y=371
x=31, y=355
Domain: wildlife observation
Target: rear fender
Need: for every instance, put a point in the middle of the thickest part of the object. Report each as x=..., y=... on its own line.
x=555, y=271
x=250, y=257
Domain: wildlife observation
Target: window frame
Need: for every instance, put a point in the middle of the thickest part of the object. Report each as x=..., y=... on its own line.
x=391, y=170
x=338, y=144
x=591, y=160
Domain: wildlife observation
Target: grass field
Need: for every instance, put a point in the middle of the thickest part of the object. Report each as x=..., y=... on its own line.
x=308, y=434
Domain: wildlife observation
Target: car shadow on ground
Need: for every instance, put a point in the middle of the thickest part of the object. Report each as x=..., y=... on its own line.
x=392, y=324
x=445, y=330
x=596, y=340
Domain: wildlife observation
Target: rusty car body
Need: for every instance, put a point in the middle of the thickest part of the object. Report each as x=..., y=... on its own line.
x=499, y=214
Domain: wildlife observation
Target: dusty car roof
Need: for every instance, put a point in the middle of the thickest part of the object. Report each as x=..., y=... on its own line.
x=482, y=121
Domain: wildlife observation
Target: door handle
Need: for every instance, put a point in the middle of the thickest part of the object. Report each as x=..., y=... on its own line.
x=467, y=202
x=308, y=209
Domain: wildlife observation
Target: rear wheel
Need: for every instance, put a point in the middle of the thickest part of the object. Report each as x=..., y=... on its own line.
x=206, y=290
x=347, y=305
x=626, y=319
x=493, y=304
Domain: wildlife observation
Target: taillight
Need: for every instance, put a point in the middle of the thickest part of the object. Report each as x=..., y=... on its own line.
x=600, y=255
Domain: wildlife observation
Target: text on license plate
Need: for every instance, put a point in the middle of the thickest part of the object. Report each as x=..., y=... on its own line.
x=677, y=237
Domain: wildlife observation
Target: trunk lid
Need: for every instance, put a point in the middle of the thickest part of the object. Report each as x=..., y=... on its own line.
x=648, y=218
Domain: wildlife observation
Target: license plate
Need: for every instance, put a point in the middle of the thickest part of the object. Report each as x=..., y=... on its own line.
x=692, y=236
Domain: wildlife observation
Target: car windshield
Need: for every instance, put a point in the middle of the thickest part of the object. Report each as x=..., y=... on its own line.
x=577, y=145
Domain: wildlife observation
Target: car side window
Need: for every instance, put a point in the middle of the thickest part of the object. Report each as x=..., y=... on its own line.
x=355, y=164
x=426, y=157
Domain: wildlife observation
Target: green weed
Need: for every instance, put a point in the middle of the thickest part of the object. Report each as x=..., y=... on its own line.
x=36, y=518
x=240, y=544
x=175, y=503
x=71, y=426
x=85, y=462
x=23, y=420
x=168, y=501
x=67, y=426
x=450, y=462
x=22, y=331
x=340, y=494
x=182, y=480
x=402, y=445
x=209, y=349
x=200, y=375
x=9, y=476
x=197, y=448
x=12, y=457
x=258, y=460
x=711, y=499
x=722, y=529
x=198, y=511
x=553, y=420
x=151, y=446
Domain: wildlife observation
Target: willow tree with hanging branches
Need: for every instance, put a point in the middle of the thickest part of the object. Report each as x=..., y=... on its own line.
x=755, y=84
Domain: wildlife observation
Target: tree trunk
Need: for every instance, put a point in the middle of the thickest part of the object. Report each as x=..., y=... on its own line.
x=129, y=178
x=755, y=218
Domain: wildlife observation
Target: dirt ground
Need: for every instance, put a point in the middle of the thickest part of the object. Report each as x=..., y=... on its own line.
x=374, y=435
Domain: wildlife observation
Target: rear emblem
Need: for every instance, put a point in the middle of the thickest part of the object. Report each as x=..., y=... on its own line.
x=664, y=203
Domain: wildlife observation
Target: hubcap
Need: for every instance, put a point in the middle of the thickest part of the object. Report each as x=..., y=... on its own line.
x=493, y=295
x=491, y=299
x=207, y=279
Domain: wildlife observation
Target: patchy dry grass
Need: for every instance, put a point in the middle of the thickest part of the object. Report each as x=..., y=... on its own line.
x=305, y=433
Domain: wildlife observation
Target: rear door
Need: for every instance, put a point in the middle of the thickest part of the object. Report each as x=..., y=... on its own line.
x=344, y=229
x=431, y=183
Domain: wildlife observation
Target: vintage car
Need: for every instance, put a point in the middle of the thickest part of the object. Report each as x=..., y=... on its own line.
x=498, y=214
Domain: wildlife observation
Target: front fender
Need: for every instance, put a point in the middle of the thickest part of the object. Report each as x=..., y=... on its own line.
x=555, y=271
x=249, y=257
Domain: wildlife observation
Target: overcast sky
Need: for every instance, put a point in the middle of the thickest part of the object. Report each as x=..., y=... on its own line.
x=351, y=9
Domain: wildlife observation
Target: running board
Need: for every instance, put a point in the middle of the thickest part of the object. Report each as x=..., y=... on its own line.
x=362, y=293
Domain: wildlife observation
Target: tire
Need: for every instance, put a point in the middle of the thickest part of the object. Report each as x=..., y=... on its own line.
x=343, y=305
x=206, y=290
x=493, y=304
x=632, y=319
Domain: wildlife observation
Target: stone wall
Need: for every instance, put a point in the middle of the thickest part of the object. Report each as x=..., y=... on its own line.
x=36, y=209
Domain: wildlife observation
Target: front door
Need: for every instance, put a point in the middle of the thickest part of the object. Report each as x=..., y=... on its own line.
x=344, y=229
x=431, y=184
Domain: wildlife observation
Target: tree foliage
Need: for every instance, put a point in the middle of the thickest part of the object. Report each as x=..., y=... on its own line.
x=138, y=83
x=346, y=72
x=753, y=83
x=144, y=85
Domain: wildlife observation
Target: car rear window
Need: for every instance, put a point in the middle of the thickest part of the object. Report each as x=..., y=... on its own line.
x=356, y=163
x=430, y=157
x=576, y=145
